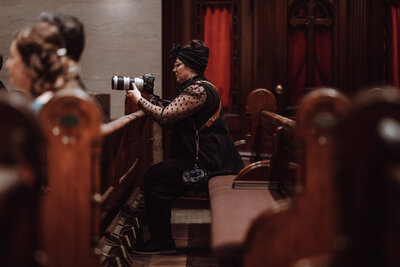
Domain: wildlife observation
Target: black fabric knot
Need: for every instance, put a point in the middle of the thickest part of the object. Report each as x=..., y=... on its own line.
x=175, y=50
x=194, y=58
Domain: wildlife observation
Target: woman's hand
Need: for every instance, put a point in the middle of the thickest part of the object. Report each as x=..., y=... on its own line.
x=134, y=94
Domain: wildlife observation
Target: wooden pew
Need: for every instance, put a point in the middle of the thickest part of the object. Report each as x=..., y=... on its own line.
x=276, y=133
x=22, y=174
x=370, y=181
x=95, y=173
x=236, y=200
x=368, y=184
x=256, y=146
x=306, y=224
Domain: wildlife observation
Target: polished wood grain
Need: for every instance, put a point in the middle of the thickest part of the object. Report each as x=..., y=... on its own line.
x=71, y=121
x=309, y=224
x=251, y=147
x=94, y=169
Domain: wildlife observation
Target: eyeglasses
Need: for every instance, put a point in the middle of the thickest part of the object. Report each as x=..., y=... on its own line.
x=177, y=65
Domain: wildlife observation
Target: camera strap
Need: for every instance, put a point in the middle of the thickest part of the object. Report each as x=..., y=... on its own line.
x=207, y=124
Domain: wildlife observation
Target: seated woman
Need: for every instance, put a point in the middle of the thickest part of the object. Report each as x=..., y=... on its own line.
x=200, y=141
x=38, y=64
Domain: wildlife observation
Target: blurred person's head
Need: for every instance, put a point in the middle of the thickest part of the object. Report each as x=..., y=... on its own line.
x=38, y=60
x=71, y=28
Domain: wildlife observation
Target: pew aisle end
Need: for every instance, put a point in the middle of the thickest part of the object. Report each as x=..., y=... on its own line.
x=95, y=173
x=308, y=226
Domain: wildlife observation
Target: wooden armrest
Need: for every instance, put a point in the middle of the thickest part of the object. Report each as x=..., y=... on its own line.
x=322, y=260
x=239, y=142
x=255, y=175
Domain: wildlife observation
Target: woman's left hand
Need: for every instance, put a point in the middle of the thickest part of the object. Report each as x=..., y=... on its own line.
x=134, y=94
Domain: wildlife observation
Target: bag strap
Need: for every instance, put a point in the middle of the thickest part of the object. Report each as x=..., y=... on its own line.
x=216, y=114
x=205, y=125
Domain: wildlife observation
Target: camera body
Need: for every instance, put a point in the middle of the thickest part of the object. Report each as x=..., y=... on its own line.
x=145, y=84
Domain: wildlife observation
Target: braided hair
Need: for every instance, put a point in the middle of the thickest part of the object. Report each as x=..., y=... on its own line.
x=43, y=51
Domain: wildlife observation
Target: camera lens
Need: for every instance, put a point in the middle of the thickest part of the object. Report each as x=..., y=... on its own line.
x=121, y=83
x=125, y=83
x=139, y=83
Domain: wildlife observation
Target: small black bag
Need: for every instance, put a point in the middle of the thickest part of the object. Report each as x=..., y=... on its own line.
x=196, y=179
x=195, y=176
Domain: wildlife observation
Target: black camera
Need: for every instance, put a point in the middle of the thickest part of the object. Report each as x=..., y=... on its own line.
x=145, y=84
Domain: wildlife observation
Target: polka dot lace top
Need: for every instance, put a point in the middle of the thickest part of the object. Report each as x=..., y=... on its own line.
x=190, y=100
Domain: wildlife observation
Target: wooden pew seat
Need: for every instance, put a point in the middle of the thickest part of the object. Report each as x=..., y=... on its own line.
x=232, y=211
x=236, y=200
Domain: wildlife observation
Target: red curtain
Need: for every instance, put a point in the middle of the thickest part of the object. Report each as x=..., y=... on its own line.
x=217, y=35
x=394, y=70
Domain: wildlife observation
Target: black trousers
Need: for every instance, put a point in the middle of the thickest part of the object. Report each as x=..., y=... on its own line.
x=162, y=184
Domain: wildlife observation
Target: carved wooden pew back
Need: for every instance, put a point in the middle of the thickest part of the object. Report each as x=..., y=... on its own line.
x=93, y=169
x=279, y=169
x=256, y=146
x=284, y=159
x=306, y=224
x=370, y=181
x=368, y=184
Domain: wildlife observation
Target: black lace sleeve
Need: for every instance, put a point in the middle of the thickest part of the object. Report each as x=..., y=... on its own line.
x=185, y=104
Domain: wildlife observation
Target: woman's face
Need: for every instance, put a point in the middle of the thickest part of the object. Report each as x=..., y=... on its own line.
x=182, y=72
x=17, y=69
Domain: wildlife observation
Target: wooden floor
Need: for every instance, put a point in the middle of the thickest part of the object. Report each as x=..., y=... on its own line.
x=191, y=231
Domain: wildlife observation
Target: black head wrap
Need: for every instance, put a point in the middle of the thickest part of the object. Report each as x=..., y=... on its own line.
x=195, y=58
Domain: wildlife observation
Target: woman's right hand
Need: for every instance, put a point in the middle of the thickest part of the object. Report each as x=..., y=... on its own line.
x=134, y=94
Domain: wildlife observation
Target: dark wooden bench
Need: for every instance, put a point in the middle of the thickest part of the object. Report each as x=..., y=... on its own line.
x=236, y=200
x=307, y=223
x=95, y=176
x=256, y=146
x=22, y=174
x=275, y=135
x=368, y=184
x=370, y=180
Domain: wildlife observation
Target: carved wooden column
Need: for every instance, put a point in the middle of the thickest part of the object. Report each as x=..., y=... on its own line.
x=340, y=45
x=357, y=45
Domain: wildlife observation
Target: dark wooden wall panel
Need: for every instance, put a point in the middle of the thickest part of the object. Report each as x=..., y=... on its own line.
x=358, y=54
x=270, y=42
